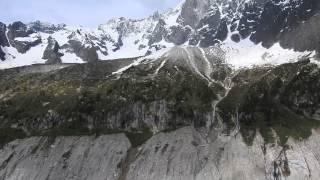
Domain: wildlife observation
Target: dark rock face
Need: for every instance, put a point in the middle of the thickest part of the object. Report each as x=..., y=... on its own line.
x=306, y=34
x=265, y=22
x=194, y=39
x=18, y=29
x=158, y=33
x=38, y=26
x=3, y=37
x=249, y=20
x=24, y=46
x=193, y=11
x=179, y=35
x=222, y=32
x=273, y=21
x=270, y=25
x=88, y=54
x=235, y=37
x=51, y=53
x=101, y=43
x=124, y=27
x=3, y=40
x=210, y=26
x=118, y=44
x=2, y=54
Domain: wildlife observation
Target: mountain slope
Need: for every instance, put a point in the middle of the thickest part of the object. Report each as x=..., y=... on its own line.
x=185, y=86
x=213, y=89
x=185, y=114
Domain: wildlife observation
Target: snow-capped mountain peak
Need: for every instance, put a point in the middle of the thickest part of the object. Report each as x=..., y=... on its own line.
x=237, y=26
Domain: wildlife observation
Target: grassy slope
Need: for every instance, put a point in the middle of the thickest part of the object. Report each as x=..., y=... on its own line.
x=77, y=93
x=73, y=94
x=259, y=95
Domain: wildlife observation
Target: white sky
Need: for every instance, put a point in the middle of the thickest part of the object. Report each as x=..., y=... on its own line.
x=89, y=13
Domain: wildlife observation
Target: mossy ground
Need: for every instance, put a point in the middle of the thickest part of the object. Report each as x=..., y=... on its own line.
x=259, y=96
x=259, y=103
x=31, y=98
x=10, y=134
x=136, y=137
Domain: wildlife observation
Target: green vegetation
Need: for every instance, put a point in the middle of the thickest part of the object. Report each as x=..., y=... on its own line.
x=66, y=101
x=264, y=106
x=61, y=103
x=137, y=138
x=10, y=134
x=231, y=103
x=282, y=121
x=72, y=102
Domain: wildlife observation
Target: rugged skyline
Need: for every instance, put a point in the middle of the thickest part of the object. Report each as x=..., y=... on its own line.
x=83, y=12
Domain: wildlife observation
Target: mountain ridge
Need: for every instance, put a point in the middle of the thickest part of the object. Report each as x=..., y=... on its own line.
x=195, y=23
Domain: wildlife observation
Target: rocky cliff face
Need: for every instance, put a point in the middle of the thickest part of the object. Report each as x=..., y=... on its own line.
x=64, y=158
x=185, y=114
x=180, y=154
x=3, y=40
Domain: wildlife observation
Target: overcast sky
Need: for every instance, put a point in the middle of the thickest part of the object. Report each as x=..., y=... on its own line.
x=89, y=13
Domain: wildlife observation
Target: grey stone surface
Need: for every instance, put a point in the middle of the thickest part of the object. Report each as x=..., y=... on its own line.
x=193, y=11
x=38, y=26
x=24, y=46
x=3, y=40
x=188, y=154
x=3, y=37
x=2, y=54
x=158, y=33
x=185, y=153
x=88, y=54
x=179, y=35
x=51, y=53
x=62, y=158
x=305, y=33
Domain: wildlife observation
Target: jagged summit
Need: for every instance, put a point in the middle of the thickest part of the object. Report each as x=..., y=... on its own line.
x=235, y=25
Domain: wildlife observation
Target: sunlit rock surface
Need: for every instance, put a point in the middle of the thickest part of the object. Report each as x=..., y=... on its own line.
x=181, y=154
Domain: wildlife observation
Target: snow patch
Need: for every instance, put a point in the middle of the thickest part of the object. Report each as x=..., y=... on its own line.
x=209, y=68
x=315, y=59
x=246, y=54
x=30, y=38
x=70, y=57
x=161, y=66
x=128, y=50
x=135, y=63
x=16, y=59
x=61, y=37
